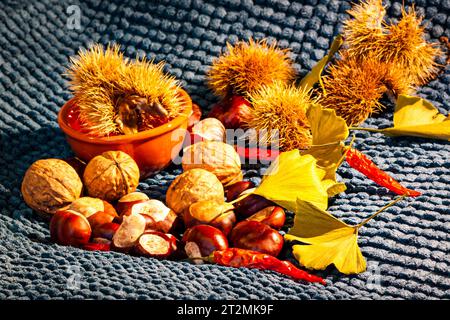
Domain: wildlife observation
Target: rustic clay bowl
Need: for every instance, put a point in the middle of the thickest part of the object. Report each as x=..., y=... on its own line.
x=153, y=149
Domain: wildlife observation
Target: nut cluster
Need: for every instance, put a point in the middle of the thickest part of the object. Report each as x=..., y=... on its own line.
x=195, y=222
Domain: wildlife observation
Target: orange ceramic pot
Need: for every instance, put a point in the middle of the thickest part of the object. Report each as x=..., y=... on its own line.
x=153, y=149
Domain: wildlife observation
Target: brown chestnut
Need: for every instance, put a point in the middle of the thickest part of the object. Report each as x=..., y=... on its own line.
x=128, y=200
x=251, y=205
x=232, y=112
x=106, y=230
x=256, y=236
x=97, y=211
x=233, y=191
x=274, y=217
x=154, y=244
x=219, y=215
x=195, y=116
x=158, y=216
x=207, y=238
x=131, y=228
x=70, y=228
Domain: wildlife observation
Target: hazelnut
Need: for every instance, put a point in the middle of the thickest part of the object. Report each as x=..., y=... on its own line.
x=216, y=157
x=192, y=186
x=50, y=185
x=111, y=175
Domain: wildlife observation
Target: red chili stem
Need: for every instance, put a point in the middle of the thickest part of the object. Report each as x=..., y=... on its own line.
x=236, y=258
x=363, y=164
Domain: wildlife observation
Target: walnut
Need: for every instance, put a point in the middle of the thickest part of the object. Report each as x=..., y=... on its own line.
x=216, y=157
x=111, y=175
x=209, y=129
x=49, y=185
x=192, y=186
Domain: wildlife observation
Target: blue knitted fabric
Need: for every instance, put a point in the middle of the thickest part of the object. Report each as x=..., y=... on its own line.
x=407, y=247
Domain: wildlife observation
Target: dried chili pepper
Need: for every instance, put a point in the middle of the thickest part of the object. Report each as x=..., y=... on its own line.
x=363, y=164
x=234, y=257
x=256, y=153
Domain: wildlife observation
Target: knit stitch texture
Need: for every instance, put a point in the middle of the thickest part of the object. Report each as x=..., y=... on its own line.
x=407, y=247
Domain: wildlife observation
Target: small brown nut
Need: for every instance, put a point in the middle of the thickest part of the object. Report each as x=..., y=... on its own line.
x=158, y=216
x=128, y=200
x=273, y=216
x=154, y=244
x=192, y=186
x=111, y=175
x=233, y=191
x=216, y=157
x=219, y=215
x=88, y=206
x=50, y=185
x=209, y=129
x=97, y=211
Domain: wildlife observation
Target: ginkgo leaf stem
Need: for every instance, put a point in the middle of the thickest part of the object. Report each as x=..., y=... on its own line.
x=380, y=211
x=366, y=129
x=345, y=152
x=325, y=144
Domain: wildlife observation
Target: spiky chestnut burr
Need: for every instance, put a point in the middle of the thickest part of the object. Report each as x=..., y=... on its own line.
x=247, y=66
x=281, y=109
x=364, y=30
x=406, y=47
x=402, y=45
x=116, y=95
x=354, y=88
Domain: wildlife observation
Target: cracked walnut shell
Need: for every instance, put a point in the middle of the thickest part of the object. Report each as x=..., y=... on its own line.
x=49, y=185
x=111, y=175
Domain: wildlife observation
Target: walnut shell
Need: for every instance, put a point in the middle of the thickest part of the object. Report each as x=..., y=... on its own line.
x=49, y=185
x=192, y=186
x=111, y=175
x=216, y=157
x=209, y=129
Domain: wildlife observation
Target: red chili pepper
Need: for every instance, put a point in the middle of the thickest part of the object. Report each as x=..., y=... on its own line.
x=363, y=164
x=97, y=246
x=257, y=153
x=236, y=258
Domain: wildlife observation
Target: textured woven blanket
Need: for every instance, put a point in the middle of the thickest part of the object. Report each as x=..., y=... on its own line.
x=407, y=247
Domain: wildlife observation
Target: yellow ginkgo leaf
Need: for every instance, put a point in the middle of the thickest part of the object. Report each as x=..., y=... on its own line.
x=315, y=75
x=327, y=240
x=293, y=176
x=415, y=111
x=333, y=188
x=417, y=117
x=328, y=133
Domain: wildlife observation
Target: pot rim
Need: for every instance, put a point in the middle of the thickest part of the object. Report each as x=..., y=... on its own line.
x=143, y=135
